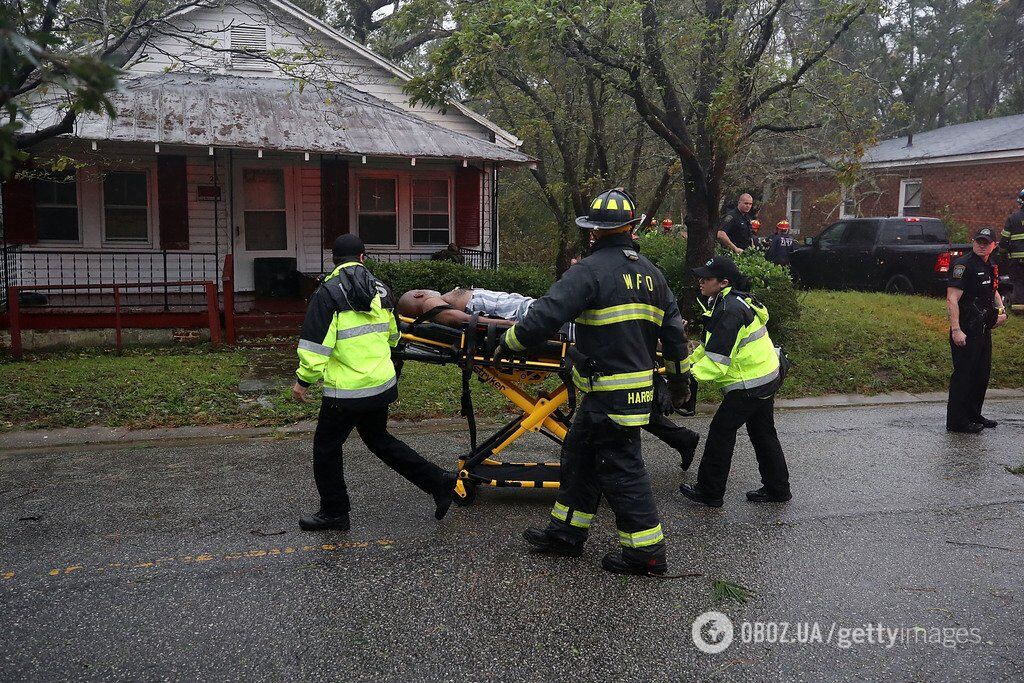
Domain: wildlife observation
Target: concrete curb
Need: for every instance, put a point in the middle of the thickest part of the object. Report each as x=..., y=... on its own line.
x=95, y=436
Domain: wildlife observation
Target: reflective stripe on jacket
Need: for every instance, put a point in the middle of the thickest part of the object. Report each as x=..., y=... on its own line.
x=737, y=352
x=622, y=306
x=348, y=334
x=1012, y=238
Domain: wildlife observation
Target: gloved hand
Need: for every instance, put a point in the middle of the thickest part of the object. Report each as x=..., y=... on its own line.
x=679, y=389
x=501, y=355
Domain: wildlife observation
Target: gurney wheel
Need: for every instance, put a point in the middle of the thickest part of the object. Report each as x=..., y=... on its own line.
x=470, y=494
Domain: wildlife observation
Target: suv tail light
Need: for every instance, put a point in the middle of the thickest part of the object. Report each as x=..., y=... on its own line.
x=942, y=262
x=912, y=220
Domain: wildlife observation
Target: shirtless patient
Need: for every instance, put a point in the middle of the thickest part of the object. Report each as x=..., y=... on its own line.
x=506, y=309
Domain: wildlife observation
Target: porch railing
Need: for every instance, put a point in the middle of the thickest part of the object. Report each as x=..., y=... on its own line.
x=471, y=257
x=208, y=288
x=60, y=279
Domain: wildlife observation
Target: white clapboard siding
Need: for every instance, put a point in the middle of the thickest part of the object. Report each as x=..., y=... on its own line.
x=332, y=60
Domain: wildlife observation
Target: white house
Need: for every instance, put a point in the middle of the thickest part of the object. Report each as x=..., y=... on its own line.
x=265, y=155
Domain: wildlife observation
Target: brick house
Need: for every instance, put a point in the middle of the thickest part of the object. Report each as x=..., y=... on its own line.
x=251, y=134
x=969, y=173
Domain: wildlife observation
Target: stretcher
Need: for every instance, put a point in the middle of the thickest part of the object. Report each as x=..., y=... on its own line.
x=519, y=379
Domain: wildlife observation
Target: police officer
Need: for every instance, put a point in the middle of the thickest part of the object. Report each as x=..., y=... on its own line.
x=1012, y=243
x=975, y=307
x=346, y=340
x=622, y=306
x=736, y=232
x=739, y=357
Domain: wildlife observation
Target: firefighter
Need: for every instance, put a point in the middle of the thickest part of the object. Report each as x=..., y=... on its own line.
x=782, y=245
x=974, y=307
x=1012, y=243
x=346, y=341
x=622, y=306
x=739, y=357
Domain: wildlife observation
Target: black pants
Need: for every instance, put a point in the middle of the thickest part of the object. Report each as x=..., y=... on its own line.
x=972, y=365
x=1015, y=269
x=666, y=430
x=601, y=457
x=738, y=409
x=332, y=430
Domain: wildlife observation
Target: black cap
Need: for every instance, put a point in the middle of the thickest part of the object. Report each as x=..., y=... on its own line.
x=721, y=267
x=347, y=245
x=985, y=235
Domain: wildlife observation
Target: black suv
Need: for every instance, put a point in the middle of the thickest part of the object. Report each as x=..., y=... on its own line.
x=903, y=255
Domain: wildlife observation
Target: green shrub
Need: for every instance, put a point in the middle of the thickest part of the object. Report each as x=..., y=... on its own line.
x=444, y=275
x=770, y=283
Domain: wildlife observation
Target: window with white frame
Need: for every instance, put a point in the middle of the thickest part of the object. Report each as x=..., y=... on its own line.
x=847, y=205
x=56, y=198
x=794, y=210
x=126, y=206
x=431, y=214
x=910, y=197
x=249, y=47
x=377, y=210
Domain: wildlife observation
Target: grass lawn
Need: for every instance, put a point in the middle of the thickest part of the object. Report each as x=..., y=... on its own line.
x=844, y=342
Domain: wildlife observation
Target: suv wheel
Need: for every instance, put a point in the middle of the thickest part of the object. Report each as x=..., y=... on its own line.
x=899, y=284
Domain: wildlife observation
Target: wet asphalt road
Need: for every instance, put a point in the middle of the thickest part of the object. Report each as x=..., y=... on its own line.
x=180, y=561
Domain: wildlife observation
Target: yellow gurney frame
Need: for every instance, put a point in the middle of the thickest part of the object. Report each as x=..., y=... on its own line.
x=538, y=411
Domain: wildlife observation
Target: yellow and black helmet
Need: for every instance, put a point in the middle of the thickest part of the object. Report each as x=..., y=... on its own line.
x=611, y=209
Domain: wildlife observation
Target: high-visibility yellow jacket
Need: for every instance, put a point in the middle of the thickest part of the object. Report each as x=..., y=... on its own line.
x=347, y=337
x=737, y=353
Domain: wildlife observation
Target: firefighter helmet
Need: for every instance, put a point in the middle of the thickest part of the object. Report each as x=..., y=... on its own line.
x=610, y=210
x=783, y=225
x=1020, y=197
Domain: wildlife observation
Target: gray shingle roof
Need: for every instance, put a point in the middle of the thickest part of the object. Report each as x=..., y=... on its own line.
x=1002, y=134
x=272, y=114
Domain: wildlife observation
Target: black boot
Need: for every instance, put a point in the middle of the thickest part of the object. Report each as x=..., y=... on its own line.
x=698, y=496
x=320, y=521
x=543, y=541
x=687, y=450
x=443, y=498
x=617, y=564
x=763, y=495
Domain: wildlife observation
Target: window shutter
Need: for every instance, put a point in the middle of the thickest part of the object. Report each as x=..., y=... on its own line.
x=334, y=199
x=19, y=212
x=467, y=207
x=172, y=191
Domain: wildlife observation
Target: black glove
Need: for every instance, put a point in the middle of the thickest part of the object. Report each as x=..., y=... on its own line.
x=501, y=355
x=679, y=389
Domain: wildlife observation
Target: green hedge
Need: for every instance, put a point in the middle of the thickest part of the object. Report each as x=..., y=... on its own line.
x=770, y=283
x=444, y=275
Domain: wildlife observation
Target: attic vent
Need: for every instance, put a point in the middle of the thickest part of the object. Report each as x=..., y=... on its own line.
x=249, y=48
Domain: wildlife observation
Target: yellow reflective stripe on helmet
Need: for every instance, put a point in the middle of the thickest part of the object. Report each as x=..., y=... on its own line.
x=621, y=313
x=596, y=204
x=511, y=341
x=613, y=204
x=638, y=420
x=641, y=539
x=644, y=379
x=627, y=205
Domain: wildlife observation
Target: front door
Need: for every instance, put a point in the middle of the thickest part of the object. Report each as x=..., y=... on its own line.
x=264, y=221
